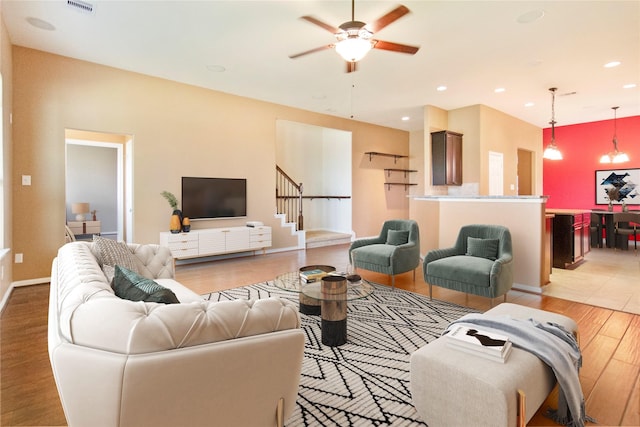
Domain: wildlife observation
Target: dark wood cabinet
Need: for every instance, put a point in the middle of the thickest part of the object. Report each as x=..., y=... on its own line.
x=570, y=237
x=446, y=158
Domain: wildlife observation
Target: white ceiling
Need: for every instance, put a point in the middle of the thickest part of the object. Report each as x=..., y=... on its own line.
x=472, y=47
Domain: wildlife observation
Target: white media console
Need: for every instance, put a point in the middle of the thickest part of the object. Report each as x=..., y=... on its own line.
x=216, y=241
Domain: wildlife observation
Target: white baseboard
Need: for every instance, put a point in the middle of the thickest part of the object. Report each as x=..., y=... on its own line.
x=527, y=288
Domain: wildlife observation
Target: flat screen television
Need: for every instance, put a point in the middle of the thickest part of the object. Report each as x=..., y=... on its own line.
x=209, y=198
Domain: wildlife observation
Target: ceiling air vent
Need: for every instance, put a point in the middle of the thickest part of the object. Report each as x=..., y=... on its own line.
x=80, y=6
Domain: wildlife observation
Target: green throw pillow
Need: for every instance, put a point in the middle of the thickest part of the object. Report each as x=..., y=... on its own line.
x=132, y=286
x=482, y=248
x=397, y=237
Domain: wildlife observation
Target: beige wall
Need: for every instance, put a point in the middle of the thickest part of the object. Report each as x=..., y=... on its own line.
x=7, y=169
x=484, y=129
x=177, y=130
x=523, y=217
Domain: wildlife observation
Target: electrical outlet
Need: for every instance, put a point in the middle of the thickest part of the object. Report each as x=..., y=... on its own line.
x=18, y=258
x=26, y=179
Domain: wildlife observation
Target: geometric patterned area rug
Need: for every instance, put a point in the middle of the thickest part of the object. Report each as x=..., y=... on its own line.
x=366, y=381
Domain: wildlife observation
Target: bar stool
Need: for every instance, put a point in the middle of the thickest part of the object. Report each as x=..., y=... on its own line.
x=626, y=224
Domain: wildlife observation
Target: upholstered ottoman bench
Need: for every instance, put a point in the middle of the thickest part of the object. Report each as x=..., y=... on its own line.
x=450, y=387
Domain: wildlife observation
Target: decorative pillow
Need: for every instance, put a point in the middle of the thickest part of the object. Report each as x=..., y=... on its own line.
x=482, y=248
x=109, y=271
x=132, y=286
x=397, y=237
x=114, y=253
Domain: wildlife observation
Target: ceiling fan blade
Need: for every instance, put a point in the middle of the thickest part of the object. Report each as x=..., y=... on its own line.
x=319, y=23
x=387, y=19
x=351, y=67
x=395, y=47
x=306, y=52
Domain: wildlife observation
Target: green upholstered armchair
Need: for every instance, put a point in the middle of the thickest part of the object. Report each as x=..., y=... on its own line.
x=396, y=250
x=480, y=263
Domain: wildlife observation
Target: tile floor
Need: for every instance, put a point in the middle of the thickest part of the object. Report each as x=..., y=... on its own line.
x=607, y=278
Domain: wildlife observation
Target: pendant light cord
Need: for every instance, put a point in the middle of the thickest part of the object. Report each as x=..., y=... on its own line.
x=553, y=114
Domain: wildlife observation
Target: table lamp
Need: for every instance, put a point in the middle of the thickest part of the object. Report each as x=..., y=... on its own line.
x=80, y=209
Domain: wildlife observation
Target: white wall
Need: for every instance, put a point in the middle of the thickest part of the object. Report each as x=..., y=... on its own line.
x=91, y=176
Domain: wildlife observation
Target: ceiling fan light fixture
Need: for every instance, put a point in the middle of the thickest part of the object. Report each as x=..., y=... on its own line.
x=353, y=49
x=614, y=156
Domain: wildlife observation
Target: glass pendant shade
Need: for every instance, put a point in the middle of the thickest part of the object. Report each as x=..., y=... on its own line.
x=552, y=152
x=614, y=156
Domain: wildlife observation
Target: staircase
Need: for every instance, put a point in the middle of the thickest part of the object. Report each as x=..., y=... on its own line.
x=289, y=205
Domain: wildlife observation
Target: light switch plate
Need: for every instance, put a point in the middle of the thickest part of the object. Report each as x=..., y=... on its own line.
x=26, y=179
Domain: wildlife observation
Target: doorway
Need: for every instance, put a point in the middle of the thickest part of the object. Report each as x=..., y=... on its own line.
x=98, y=173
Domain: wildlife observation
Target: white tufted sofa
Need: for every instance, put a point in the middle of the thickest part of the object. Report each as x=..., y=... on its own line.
x=198, y=363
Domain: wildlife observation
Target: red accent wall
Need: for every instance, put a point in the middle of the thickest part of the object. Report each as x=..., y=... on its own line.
x=570, y=183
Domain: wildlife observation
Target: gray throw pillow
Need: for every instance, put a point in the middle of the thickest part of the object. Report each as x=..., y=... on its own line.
x=134, y=287
x=114, y=253
x=482, y=248
x=397, y=237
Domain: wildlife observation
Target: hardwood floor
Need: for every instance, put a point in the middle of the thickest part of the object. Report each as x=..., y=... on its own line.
x=610, y=339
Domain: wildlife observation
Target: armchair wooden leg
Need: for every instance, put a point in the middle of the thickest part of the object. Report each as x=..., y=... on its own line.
x=522, y=409
x=280, y=413
x=393, y=281
x=430, y=297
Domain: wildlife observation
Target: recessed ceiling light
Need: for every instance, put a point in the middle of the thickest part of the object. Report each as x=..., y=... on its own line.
x=529, y=104
x=612, y=64
x=629, y=86
x=531, y=16
x=441, y=88
x=406, y=118
x=499, y=90
x=39, y=23
x=216, y=68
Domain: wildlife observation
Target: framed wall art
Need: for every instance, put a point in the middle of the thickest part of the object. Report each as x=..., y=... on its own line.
x=618, y=186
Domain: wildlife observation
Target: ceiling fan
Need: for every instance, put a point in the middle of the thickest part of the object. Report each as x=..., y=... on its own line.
x=354, y=39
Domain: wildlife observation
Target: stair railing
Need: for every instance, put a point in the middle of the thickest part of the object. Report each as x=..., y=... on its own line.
x=289, y=198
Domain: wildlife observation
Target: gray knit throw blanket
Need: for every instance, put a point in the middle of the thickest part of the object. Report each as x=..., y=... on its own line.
x=555, y=346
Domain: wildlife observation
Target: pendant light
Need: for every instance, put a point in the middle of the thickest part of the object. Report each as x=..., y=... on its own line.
x=552, y=152
x=614, y=156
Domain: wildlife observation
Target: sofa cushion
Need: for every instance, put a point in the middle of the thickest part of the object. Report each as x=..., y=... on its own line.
x=483, y=248
x=114, y=253
x=397, y=237
x=464, y=269
x=378, y=254
x=130, y=285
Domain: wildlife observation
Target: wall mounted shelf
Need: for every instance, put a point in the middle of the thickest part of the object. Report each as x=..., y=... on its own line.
x=405, y=171
x=395, y=156
x=406, y=184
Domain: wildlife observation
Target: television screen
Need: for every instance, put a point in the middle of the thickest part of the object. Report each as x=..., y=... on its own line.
x=207, y=198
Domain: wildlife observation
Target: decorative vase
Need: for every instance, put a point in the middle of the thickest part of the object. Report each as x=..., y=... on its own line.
x=610, y=207
x=186, y=224
x=625, y=208
x=175, y=225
